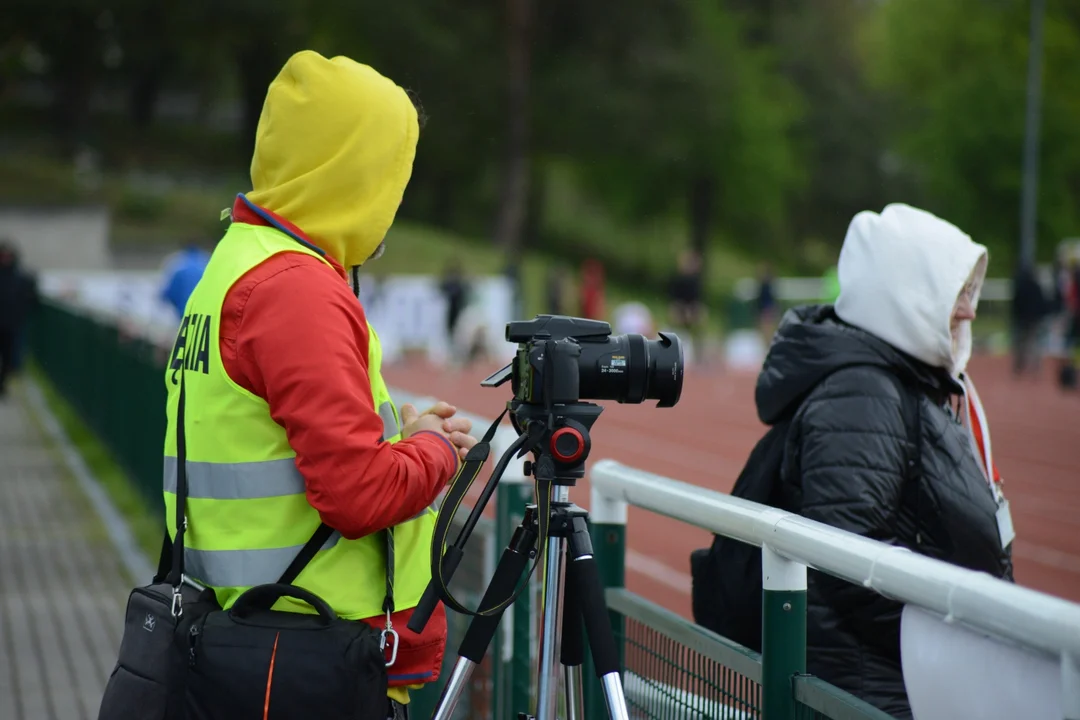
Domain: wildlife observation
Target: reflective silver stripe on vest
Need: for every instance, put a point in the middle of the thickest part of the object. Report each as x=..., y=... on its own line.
x=237, y=481
x=243, y=568
x=389, y=422
x=248, y=480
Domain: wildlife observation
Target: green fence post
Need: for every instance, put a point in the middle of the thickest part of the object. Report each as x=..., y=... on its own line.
x=783, y=633
x=607, y=526
x=513, y=646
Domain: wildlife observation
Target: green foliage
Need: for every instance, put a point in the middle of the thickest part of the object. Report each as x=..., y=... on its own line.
x=141, y=206
x=651, y=99
x=956, y=75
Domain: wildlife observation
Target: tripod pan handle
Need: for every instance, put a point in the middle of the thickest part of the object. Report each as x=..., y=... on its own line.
x=432, y=594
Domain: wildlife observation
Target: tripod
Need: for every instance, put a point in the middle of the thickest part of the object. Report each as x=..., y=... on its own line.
x=568, y=603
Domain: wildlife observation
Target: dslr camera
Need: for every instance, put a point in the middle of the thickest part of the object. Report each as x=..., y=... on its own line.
x=563, y=360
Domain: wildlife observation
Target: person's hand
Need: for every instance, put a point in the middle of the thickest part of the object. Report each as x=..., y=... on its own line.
x=412, y=421
x=439, y=418
x=458, y=429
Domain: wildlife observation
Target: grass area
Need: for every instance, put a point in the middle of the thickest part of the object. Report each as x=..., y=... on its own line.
x=143, y=521
x=146, y=210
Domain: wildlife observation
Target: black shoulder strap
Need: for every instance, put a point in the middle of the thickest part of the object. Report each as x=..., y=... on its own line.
x=171, y=562
x=910, y=407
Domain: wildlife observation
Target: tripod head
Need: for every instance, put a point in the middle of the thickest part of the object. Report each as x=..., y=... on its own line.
x=558, y=435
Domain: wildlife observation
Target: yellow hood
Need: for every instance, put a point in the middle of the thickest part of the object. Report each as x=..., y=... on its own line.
x=333, y=153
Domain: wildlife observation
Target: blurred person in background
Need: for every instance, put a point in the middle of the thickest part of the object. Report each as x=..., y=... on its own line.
x=18, y=298
x=633, y=318
x=182, y=273
x=512, y=275
x=1029, y=308
x=686, y=303
x=766, y=303
x=455, y=290
x=283, y=370
x=469, y=341
x=555, y=290
x=909, y=288
x=592, y=290
x=1066, y=308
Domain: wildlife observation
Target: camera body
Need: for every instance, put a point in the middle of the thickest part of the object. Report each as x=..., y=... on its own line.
x=563, y=360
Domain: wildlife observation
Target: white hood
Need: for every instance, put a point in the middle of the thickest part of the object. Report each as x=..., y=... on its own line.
x=901, y=273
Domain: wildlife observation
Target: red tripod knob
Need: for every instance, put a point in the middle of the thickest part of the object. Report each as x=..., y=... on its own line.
x=567, y=445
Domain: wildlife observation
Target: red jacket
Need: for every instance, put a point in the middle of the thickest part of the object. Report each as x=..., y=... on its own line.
x=293, y=333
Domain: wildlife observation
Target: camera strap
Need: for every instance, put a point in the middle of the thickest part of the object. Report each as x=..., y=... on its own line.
x=459, y=488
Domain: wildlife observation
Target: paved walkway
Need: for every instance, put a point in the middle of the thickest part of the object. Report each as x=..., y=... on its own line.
x=62, y=587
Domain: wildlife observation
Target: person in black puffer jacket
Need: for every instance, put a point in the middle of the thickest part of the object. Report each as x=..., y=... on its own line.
x=909, y=285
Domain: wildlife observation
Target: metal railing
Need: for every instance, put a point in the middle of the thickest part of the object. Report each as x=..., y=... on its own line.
x=791, y=543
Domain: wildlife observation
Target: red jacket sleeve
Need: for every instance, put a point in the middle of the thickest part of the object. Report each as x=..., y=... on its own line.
x=302, y=345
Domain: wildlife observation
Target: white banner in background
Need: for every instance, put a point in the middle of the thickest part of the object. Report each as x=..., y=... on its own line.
x=952, y=672
x=407, y=311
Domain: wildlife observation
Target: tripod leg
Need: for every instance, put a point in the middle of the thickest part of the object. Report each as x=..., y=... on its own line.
x=573, y=650
x=474, y=645
x=547, y=685
x=584, y=575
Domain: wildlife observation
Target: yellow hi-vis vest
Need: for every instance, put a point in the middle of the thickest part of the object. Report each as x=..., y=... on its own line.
x=247, y=513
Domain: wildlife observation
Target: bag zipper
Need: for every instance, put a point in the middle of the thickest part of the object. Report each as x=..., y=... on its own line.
x=193, y=639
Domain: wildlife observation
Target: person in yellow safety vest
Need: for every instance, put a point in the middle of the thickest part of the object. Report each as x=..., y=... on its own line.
x=288, y=420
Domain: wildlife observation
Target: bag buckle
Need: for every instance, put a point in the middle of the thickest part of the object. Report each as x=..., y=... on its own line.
x=389, y=631
x=177, y=602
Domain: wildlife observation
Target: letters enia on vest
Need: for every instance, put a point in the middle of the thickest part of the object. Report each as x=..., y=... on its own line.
x=194, y=332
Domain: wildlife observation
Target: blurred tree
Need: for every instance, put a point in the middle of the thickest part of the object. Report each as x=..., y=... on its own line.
x=73, y=37
x=150, y=36
x=453, y=60
x=668, y=110
x=956, y=77
x=841, y=137
x=514, y=197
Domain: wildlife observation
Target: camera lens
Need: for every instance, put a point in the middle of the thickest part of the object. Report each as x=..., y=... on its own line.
x=631, y=369
x=665, y=369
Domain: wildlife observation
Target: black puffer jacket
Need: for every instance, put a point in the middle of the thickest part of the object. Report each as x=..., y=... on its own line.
x=845, y=466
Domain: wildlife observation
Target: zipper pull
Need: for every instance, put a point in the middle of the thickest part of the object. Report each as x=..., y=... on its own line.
x=193, y=638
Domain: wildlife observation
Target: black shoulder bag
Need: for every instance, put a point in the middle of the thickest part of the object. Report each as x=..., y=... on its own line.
x=251, y=661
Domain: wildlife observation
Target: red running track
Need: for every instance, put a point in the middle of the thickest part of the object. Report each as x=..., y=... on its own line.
x=705, y=439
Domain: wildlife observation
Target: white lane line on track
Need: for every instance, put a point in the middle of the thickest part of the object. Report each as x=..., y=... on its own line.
x=1048, y=556
x=660, y=572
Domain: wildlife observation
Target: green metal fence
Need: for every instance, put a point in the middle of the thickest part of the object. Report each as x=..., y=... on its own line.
x=114, y=381
x=672, y=667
